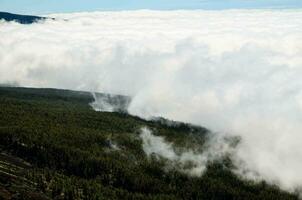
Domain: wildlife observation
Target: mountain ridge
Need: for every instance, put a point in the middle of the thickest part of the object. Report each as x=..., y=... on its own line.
x=22, y=19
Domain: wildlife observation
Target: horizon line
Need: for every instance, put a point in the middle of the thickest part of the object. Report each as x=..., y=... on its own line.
x=163, y=10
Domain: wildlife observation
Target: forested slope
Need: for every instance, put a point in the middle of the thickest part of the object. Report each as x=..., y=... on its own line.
x=55, y=146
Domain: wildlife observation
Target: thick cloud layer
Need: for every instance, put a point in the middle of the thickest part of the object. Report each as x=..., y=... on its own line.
x=235, y=72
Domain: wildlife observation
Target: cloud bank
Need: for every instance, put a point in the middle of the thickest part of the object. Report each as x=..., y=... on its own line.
x=234, y=72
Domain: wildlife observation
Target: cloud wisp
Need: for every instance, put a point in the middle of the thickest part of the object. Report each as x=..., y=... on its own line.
x=188, y=161
x=234, y=72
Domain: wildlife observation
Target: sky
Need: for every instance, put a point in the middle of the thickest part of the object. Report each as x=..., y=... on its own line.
x=50, y=6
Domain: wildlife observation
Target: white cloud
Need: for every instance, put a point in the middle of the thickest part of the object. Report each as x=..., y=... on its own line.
x=236, y=71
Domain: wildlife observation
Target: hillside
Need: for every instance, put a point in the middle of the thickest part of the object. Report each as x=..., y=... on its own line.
x=22, y=19
x=55, y=146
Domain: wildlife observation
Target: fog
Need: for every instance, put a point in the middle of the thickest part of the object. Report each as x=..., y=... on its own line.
x=189, y=161
x=236, y=72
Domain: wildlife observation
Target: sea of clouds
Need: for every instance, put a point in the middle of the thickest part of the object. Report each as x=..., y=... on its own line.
x=236, y=72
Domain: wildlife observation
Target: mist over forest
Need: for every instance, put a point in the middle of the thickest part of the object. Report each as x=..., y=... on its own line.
x=193, y=95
